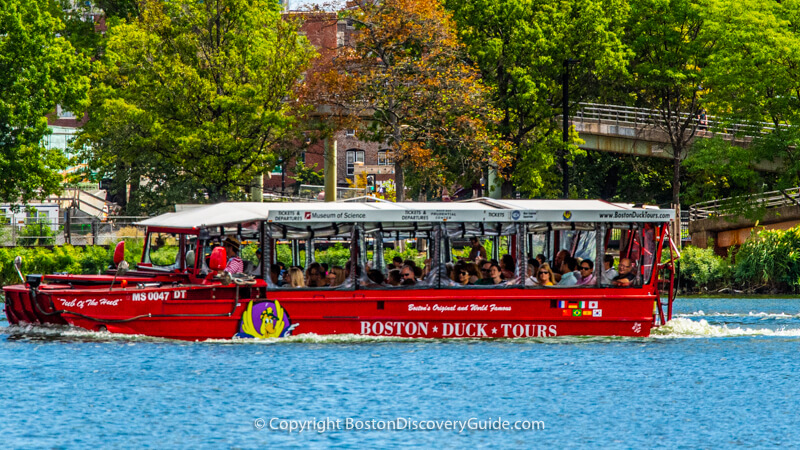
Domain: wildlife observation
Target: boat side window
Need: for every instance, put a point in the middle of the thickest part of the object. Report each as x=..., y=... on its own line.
x=162, y=250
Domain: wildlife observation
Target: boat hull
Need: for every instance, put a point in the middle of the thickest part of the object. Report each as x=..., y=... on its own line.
x=202, y=312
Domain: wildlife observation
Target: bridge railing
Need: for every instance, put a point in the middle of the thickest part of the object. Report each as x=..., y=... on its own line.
x=727, y=206
x=632, y=116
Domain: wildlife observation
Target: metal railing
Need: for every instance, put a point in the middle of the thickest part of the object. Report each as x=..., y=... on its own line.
x=77, y=231
x=728, y=206
x=640, y=117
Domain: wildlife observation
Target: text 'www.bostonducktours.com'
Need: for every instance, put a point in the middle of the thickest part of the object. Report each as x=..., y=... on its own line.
x=327, y=424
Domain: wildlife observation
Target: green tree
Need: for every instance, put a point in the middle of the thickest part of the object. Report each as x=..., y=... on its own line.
x=191, y=97
x=521, y=47
x=405, y=75
x=38, y=70
x=753, y=79
x=671, y=48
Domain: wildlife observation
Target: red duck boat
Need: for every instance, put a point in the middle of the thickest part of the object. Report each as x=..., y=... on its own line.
x=192, y=283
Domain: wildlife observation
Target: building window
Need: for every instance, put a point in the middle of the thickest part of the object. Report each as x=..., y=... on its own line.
x=385, y=158
x=63, y=113
x=354, y=157
x=350, y=133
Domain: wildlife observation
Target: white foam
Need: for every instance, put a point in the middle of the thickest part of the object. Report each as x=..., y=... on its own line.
x=762, y=315
x=686, y=328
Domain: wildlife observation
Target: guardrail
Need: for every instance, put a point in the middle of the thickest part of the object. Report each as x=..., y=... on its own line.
x=631, y=116
x=727, y=206
x=77, y=231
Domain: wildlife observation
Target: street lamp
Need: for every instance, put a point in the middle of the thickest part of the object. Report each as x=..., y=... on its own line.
x=283, y=175
x=565, y=135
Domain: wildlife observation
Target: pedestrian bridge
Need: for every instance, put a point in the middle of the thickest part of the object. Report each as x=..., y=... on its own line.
x=636, y=131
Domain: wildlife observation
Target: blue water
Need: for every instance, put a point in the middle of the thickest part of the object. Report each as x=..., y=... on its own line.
x=722, y=374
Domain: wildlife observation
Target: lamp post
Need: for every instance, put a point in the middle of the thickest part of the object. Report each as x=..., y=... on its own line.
x=565, y=135
x=283, y=176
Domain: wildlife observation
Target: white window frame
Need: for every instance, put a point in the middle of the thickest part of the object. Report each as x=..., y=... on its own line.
x=352, y=157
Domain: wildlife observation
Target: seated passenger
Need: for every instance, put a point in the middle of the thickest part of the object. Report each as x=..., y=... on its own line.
x=315, y=275
x=626, y=275
x=296, y=277
x=558, y=263
x=394, y=278
x=474, y=272
x=609, y=273
x=530, y=279
x=586, y=268
x=570, y=275
x=408, y=275
x=495, y=274
x=235, y=264
x=275, y=274
x=486, y=267
x=507, y=266
x=376, y=277
x=335, y=276
x=397, y=263
x=254, y=269
x=478, y=251
x=545, y=275
x=462, y=276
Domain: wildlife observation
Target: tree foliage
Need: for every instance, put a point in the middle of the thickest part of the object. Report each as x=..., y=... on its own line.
x=671, y=49
x=521, y=47
x=38, y=70
x=405, y=75
x=191, y=97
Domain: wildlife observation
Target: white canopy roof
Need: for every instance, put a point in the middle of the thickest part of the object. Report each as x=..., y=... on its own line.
x=479, y=210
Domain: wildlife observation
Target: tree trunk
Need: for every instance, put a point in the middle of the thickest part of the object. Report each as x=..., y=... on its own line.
x=399, y=182
x=676, y=178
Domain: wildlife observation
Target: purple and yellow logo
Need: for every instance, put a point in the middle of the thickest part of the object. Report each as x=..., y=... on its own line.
x=264, y=319
x=567, y=215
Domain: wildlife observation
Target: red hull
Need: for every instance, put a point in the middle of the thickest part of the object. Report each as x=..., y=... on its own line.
x=203, y=312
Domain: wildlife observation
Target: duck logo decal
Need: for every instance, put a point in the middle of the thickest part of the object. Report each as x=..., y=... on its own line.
x=265, y=319
x=567, y=215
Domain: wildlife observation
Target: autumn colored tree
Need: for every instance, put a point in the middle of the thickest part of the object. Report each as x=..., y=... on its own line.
x=405, y=77
x=38, y=70
x=521, y=48
x=191, y=98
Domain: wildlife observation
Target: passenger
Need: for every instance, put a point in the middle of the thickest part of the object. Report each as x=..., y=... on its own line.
x=394, y=278
x=496, y=274
x=570, y=274
x=474, y=272
x=376, y=277
x=296, y=277
x=507, y=266
x=486, y=267
x=254, y=269
x=545, y=275
x=418, y=272
x=462, y=276
x=530, y=279
x=586, y=268
x=315, y=275
x=235, y=264
x=478, y=252
x=336, y=276
x=626, y=275
x=324, y=269
x=558, y=263
x=609, y=273
x=408, y=275
x=427, y=269
x=397, y=263
x=275, y=275
x=541, y=258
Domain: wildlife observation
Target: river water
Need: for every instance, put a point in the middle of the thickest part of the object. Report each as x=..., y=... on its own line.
x=723, y=373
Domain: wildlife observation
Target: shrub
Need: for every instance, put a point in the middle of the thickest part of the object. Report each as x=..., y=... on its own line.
x=702, y=269
x=770, y=258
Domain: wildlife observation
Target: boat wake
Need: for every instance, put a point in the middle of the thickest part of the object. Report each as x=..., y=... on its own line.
x=751, y=314
x=683, y=327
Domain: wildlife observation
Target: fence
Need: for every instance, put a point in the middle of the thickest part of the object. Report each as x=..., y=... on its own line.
x=731, y=205
x=78, y=231
x=630, y=116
